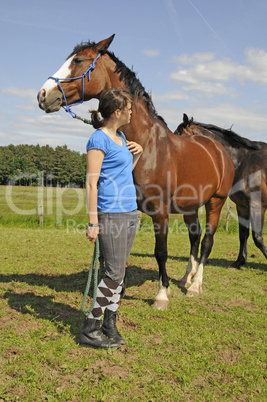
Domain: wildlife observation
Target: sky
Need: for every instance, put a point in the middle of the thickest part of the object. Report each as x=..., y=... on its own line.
x=205, y=58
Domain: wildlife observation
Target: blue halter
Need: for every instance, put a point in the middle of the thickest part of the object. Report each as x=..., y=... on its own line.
x=88, y=71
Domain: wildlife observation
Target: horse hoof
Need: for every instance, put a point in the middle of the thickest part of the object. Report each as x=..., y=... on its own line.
x=183, y=284
x=193, y=292
x=235, y=265
x=160, y=304
x=238, y=264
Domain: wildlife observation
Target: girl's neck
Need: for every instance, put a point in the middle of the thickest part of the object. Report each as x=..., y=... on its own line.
x=110, y=129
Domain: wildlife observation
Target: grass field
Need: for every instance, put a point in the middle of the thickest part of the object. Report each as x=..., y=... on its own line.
x=209, y=348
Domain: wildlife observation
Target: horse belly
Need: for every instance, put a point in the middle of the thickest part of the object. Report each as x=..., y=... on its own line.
x=195, y=186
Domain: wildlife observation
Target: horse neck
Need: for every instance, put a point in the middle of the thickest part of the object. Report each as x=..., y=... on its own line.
x=144, y=127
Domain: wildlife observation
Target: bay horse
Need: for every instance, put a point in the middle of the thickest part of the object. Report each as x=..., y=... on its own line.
x=173, y=175
x=249, y=191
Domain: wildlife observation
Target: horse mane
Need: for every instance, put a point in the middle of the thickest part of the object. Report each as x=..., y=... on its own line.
x=231, y=137
x=82, y=46
x=132, y=82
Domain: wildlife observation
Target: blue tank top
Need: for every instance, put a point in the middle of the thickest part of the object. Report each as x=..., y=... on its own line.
x=116, y=191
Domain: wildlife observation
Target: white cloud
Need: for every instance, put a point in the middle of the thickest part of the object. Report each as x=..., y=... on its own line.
x=26, y=108
x=33, y=126
x=151, y=52
x=207, y=75
x=19, y=92
x=216, y=70
x=170, y=96
x=50, y=126
x=209, y=89
x=256, y=68
x=229, y=114
x=186, y=59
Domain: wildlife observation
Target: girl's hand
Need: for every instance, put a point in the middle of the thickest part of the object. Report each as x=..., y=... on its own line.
x=134, y=148
x=92, y=233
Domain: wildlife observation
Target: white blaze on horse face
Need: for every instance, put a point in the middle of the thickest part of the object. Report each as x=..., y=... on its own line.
x=62, y=73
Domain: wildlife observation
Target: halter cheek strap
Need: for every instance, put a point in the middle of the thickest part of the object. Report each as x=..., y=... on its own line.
x=88, y=71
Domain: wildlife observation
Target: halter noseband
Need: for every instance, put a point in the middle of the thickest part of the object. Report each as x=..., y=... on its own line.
x=89, y=70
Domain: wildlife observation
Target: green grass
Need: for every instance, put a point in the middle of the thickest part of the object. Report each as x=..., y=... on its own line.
x=20, y=206
x=66, y=208
x=209, y=348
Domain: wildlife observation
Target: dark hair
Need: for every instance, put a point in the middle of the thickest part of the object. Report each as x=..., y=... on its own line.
x=109, y=102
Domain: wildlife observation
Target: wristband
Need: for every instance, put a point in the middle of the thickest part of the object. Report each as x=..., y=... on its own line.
x=93, y=225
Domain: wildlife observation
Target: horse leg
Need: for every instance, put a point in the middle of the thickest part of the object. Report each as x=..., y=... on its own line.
x=243, y=223
x=194, y=231
x=213, y=210
x=161, y=231
x=257, y=223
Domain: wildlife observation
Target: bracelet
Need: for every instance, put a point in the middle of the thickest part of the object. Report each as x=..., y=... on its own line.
x=93, y=225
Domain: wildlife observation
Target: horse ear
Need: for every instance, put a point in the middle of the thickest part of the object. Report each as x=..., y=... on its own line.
x=185, y=119
x=103, y=45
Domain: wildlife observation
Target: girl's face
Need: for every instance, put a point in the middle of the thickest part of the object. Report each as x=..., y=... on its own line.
x=126, y=114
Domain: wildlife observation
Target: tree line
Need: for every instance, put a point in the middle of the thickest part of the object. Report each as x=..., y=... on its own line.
x=34, y=165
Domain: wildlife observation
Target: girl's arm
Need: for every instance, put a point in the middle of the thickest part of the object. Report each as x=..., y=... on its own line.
x=94, y=163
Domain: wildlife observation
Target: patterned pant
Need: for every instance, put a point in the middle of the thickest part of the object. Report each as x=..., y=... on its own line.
x=108, y=296
x=116, y=237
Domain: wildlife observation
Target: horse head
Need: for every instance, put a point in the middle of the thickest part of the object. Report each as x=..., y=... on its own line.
x=70, y=84
x=185, y=128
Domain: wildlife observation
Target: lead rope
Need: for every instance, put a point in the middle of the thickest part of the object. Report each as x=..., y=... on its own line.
x=97, y=257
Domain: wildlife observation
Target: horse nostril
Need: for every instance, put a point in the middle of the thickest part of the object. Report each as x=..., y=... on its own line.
x=41, y=98
x=41, y=95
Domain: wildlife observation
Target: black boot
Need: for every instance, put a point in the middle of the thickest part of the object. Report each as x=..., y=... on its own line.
x=92, y=336
x=109, y=327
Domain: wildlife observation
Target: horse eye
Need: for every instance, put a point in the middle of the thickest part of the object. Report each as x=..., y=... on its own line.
x=77, y=61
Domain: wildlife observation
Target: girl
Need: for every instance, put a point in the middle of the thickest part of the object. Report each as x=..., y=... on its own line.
x=112, y=211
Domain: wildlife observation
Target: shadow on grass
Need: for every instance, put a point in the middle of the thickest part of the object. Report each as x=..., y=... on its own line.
x=145, y=255
x=77, y=282
x=145, y=300
x=62, y=315
x=60, y=283
x=136, y=275
x=44, y=307
x=219, y=262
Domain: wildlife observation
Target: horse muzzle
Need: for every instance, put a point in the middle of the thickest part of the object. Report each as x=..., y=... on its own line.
x=50, y=102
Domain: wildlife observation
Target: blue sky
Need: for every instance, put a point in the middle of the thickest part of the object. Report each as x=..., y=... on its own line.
x=207, y=58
